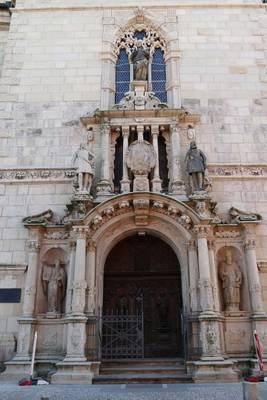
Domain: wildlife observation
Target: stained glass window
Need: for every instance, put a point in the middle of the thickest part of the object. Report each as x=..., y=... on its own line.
x=122, y=76
x=159, y=75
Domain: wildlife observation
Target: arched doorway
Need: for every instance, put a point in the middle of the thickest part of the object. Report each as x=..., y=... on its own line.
x=142, y=302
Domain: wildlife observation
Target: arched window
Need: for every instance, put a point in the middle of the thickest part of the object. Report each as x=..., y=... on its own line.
x=122, y=75
x=159, y=75
x=157, y=68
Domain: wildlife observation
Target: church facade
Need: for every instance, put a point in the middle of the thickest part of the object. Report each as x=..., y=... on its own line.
x=133, y=186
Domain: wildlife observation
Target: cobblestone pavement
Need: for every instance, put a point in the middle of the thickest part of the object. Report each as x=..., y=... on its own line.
x=123, y=392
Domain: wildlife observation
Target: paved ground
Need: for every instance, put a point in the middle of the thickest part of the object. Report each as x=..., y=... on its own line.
x=123, y=392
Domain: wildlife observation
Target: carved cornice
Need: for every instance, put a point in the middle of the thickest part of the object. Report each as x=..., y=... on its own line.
x=13, y=268
x=237, y=171
x=36, y=174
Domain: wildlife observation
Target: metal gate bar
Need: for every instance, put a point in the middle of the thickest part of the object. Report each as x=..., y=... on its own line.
x=122, y=336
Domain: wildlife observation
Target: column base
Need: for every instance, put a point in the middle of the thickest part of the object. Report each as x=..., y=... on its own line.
x=103, y=188
x=214, y=371
x=15, y=371
x=73, y=372
x=156, y=185
x=178, y=187
x=125, y=186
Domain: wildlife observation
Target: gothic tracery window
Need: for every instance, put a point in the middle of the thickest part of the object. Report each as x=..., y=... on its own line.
x=157, y=70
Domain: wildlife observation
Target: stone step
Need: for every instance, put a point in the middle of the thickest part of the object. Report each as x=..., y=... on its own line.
x=144, y=362
x=140, y=378
x=148, y=369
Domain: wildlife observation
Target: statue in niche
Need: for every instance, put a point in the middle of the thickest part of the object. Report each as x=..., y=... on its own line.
x=196, y=164
x=54, y=286
x=231, y=278
x=140, y=60
x=84, y=161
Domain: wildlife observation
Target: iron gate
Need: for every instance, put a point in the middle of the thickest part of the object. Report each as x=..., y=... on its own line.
x=122, y=336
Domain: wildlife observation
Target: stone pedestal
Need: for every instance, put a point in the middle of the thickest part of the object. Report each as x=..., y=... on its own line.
x=141, y=183
x=73, y=372
x=214, y=371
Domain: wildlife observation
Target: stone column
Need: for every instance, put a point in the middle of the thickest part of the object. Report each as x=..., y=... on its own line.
x=172, y=59
x=125, y=183
x=156, y=182
x=31, y=278
x=76, y=334
x=193, y=275
x=79, y=282
x=27, y=319
x=104, y=186
x=72, y=247
x=91, y=257
x=209, y=322
x=205, y=285
x=176, y=183
x=253, y=275
x=214, y=275
x=140, y=132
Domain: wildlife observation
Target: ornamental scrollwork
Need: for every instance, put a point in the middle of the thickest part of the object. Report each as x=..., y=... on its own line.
x=152, y=39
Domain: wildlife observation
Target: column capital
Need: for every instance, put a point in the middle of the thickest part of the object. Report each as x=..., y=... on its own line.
x=155, y=130
x=80, y=231
x=72, y=244
x=125, y=130
x=250, y=243
x=33, y=245
x=105, y=128
x=202, y=231
x=91, y=246
x=191, y=244
x=211, y=244
x=174, y=128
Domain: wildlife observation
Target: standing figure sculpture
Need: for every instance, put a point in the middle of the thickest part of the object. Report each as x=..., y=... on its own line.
x=84, y=162
x=196, y=164
x=54, y=286
x=140, y=60
x=231, y=278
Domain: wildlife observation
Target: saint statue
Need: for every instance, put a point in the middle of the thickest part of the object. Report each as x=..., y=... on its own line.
x=196, y=164
x=84, y=161
x=231, y=278
x=54, y=286
x=140, y=60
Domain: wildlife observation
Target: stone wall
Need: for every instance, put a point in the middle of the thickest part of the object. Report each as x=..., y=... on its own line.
x=52, y=76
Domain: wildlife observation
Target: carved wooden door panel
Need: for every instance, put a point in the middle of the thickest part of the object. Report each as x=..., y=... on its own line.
x=142, y=277
x=160, y=309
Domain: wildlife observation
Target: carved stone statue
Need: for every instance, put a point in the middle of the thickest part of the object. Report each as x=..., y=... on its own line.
x=84, y=161
x=231, y=278
x=54, y=286
x=140, y=59
x=196, y=164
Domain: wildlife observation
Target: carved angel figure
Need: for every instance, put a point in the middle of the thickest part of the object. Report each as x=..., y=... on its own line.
x=54, y=286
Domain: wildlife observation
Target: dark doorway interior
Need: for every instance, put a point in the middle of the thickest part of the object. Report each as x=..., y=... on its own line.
x=142, y=279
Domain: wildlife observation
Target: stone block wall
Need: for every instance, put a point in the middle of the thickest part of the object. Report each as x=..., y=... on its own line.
x=51, y=77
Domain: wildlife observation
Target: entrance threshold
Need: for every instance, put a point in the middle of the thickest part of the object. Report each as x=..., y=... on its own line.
x=148, y=370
